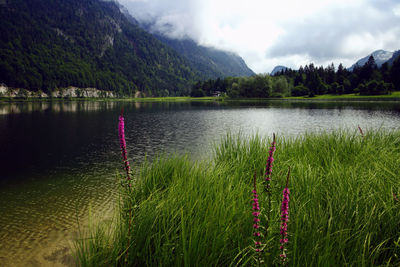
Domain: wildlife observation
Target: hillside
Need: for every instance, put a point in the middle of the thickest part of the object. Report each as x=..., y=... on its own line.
x=380, y=56
x=211, y=62
x=59, y=43
x=395, y=56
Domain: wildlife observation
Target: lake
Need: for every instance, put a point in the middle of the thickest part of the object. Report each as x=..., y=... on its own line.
x=59, y=160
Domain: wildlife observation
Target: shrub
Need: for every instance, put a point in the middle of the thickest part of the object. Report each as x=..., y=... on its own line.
x=300, y=90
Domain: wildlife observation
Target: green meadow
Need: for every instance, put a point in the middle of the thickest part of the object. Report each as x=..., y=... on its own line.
x=395, y=96
x=344, y=205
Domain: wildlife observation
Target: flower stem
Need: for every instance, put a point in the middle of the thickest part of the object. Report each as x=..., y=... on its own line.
x=268, y=172
x=121, y=133
x=284, y=220
x=256, y=219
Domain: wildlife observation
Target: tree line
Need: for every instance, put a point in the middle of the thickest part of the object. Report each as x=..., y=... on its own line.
x=309, y=80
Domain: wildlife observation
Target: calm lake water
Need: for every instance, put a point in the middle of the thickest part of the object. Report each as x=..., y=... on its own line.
x=58, y=161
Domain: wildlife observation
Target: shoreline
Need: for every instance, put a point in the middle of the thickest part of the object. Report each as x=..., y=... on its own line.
x=323, y=98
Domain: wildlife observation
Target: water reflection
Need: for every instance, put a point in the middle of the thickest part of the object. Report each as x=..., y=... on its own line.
x=56, y=106
x=86, y=106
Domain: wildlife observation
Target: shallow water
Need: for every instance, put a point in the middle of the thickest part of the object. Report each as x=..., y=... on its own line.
x=59, y=160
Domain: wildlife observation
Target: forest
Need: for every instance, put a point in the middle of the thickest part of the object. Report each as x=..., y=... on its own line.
x=309, y=80
x=46, y=45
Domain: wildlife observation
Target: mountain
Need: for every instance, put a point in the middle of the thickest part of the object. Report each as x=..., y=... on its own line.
x=54, y=44
x=394, y=57
x=277, y=69
x=211, y=63
x=380, y=56
x=125, y=11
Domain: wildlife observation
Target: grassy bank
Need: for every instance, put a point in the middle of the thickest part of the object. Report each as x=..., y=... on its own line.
x=394, y=96
x=173, y=99
x=344, y=206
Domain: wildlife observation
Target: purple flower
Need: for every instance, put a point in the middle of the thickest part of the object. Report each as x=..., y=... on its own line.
x=256, y=213
x=267, y=183
x=121, y=133
x=268, y=167
x=284, y=218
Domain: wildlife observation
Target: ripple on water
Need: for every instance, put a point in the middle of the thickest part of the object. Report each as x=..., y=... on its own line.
x=40, y=220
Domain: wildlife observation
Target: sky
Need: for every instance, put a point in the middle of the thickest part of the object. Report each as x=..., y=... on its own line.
x=282, y=32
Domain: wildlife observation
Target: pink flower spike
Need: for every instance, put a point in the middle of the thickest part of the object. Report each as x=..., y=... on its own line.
x=256, y=220
x=283, y=241
x=121, y=134
x=268, y=167
x=284, y=218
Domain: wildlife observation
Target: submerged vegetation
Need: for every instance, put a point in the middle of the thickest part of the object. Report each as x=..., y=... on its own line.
x=344, y=207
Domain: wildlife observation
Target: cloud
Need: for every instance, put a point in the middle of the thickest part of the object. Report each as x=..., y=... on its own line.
x=286, y=32
x=339, y=33
x=175, y=18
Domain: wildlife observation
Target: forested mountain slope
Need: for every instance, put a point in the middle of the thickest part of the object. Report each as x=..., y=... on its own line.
x=47, y=44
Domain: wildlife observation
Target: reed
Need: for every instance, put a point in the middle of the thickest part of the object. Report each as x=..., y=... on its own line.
x=343, y=212
x=256, y=221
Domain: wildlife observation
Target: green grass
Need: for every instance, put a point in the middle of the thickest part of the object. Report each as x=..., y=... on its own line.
x=393, y=96
x=342, y=209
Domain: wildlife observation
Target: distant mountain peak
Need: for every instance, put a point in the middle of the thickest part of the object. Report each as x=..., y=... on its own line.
x=380, y=56
x=278, y=68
